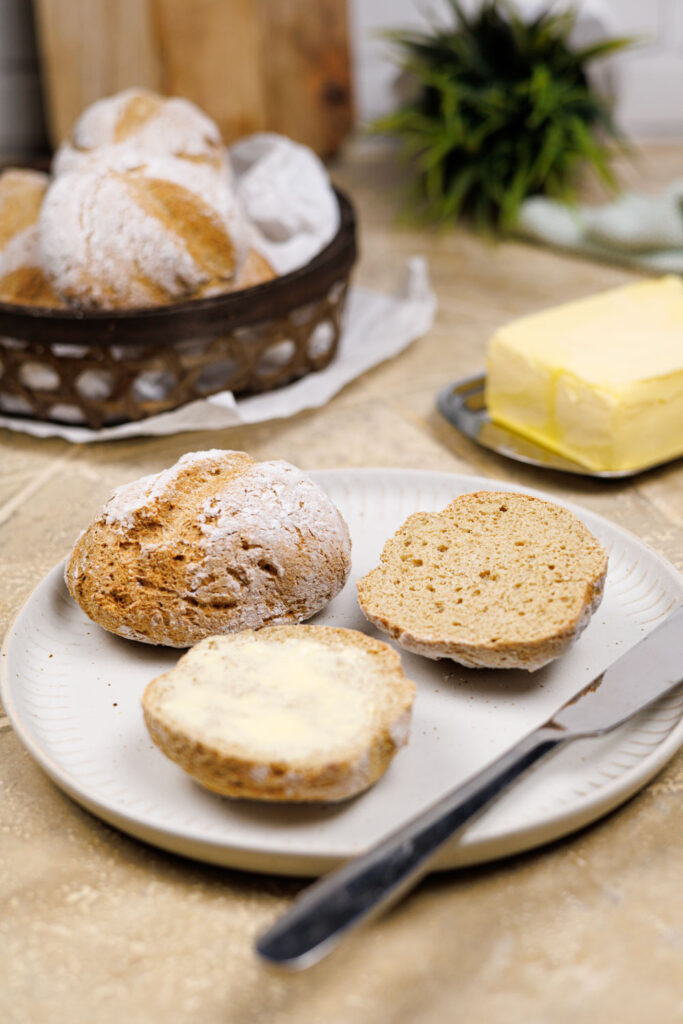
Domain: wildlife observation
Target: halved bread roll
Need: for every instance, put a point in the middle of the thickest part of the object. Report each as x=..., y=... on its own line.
x=495, y=580
x=300, y=713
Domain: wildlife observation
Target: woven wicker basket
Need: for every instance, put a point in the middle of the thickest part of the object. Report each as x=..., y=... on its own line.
x=102, y=368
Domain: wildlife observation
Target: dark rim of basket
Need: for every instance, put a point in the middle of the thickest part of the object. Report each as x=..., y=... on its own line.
x=213, y=316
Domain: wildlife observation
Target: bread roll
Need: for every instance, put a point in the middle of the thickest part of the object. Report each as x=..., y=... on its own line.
x=215, y=544
x=22, y=279
x=288, y=713
x=140, y=234
x=143, y=122
x=495, y=580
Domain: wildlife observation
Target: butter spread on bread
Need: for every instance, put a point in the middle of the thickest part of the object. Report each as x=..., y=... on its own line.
x=286, y=713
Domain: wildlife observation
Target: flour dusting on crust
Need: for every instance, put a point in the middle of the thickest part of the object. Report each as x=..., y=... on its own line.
x=215, y=544
x=129, y=499
x=145, y=122
x=140, y=232
x=260, y=518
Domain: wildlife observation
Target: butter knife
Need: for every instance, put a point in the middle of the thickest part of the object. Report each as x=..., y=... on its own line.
x=364, y=886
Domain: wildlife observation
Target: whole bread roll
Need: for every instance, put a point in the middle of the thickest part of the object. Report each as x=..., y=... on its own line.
x=22, y=279
x=140, y=234
x=215, y=544
x=146, y=123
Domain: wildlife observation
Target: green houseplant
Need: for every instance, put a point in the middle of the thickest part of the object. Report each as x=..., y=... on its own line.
x=503, y=110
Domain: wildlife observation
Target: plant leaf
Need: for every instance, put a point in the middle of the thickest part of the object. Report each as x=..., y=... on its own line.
x=504, y=110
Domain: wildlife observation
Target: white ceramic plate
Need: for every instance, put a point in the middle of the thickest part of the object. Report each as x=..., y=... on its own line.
x=73, y=692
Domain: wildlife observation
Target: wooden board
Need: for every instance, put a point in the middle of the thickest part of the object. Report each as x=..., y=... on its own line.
x=90, y=48
x=306, y=70
x=282, y=65
x=211, y=54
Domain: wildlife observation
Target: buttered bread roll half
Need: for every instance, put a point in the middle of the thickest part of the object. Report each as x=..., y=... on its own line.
x=215, y=544
x=286, y=713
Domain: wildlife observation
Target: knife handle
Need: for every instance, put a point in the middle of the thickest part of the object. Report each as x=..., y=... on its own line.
x=361, y=888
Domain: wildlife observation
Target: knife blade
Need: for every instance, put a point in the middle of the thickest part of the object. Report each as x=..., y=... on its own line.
x=354, y=893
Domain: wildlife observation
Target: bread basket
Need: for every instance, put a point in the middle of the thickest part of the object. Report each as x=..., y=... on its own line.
x=107, y=367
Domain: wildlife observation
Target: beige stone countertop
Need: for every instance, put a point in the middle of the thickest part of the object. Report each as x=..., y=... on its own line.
x=96, y=927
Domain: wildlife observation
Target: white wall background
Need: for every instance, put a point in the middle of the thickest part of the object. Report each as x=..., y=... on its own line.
x=650, y=77
x=652, y=86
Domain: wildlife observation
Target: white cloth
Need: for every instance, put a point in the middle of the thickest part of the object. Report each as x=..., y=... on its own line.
x=635, y=230
x=287, y=196
x=376, y=327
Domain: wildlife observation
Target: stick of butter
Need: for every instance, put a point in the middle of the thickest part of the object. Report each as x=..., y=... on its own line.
x=599, y=380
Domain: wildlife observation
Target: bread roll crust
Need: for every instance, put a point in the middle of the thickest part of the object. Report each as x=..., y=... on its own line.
x=495, y=580
x=140, y=233
x=215, y=544
x=22, y=278
x=146, y=123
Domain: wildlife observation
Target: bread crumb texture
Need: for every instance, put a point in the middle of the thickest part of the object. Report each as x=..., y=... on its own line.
x=495, y=580
x=215, y=544
x=301, y=713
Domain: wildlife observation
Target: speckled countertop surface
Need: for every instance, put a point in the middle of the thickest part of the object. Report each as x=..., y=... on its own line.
x=96, y=927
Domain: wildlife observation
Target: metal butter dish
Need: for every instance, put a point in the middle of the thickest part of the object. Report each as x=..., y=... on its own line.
x=463, y=404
